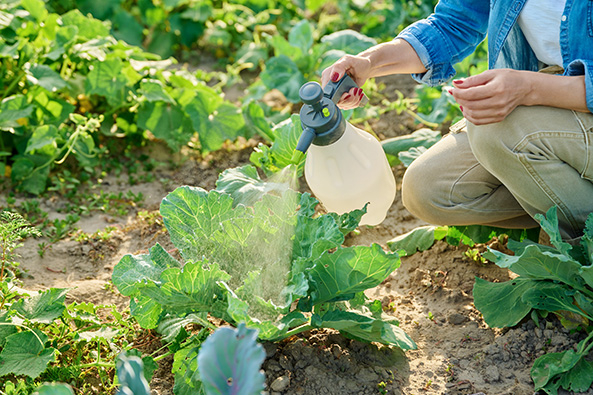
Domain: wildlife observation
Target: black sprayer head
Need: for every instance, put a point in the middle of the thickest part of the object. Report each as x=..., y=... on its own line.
x=321, y=119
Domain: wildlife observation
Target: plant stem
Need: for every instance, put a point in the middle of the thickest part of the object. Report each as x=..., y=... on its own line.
x=14, y=82
x=156, y=359
x=94, y=365
x=298, y=329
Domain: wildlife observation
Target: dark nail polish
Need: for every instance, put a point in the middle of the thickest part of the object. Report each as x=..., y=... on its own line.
x=335, y=77
x=461, y=108
x=457, y=81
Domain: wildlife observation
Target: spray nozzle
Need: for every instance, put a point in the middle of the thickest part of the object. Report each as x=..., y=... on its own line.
x=321, y=119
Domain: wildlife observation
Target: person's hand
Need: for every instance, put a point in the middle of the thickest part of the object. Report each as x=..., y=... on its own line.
x=490, y=96
x=358, y=68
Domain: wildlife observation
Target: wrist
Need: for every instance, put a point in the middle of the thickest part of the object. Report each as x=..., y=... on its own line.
x=531, y=93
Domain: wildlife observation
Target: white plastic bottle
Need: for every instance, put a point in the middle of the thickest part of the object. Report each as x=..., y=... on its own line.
x=346, y=167
x=350, y=173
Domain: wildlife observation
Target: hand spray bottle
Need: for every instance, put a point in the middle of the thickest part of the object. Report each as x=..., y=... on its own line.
x=345, y=167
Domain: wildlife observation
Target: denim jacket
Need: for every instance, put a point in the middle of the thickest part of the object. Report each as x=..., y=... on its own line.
x=456, y=27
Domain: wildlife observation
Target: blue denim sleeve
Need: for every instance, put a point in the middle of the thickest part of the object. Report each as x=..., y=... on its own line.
x=583, y=67
x=446, y=37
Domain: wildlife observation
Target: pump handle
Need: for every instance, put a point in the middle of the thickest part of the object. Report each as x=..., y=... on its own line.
x=335, y=90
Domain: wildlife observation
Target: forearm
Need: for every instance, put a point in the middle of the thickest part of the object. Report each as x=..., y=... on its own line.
x=394, y=57
x=556, y=91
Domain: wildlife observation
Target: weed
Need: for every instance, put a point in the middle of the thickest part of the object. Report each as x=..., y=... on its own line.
x=34, y=214
x=59, y=229
x=475, y=255
x=382, y=387
x=13, y=228
x=101, y=235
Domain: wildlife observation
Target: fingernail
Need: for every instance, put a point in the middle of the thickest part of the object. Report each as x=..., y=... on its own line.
x=335, y=76
x=457, y=81
x=347, y=97
x=461, y=108
x=361, y=93
x=450, y=91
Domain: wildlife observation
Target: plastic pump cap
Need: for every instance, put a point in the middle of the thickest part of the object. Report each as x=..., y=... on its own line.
x=321, y=119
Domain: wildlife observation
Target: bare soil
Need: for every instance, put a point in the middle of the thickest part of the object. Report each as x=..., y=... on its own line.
x=430, y=294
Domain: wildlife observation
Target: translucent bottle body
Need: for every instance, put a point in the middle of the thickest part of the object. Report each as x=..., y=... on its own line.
x=350, y=173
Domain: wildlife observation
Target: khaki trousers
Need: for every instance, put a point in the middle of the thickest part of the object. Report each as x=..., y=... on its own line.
x=503, y=174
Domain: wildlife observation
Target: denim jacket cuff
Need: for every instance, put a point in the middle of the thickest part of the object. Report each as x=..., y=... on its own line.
x=437, y=72
x=583, y=67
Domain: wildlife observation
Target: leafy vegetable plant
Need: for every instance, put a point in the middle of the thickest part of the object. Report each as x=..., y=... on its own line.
x=274, y=266
x=556, y=279
x=68, y=87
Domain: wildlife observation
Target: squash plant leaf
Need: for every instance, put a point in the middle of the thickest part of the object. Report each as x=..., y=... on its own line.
x=167, y=122
x=45, y=77
x=255, y=121
x=348, y=41
x=106, y=79
x=36, y=8
x=215, y=119
x=44, y=307
x=501, y=304
x=24, y=354
x=301, y=36
x=283, y=74
x=5, y=328
x=88, y=27
x=43, y=139
x=12, y=109
x=153, y=90
x=230, y=360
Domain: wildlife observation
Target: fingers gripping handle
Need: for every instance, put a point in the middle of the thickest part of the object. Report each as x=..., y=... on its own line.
x=335, y=90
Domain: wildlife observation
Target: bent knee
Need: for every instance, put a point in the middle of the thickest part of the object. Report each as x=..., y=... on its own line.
x=420, y=196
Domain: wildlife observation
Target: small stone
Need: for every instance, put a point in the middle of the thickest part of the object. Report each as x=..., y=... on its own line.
x=491, y=373
x=280, y=384
x=336, y=350
x=456, y=318
x=538, y=332
x=367, y=375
